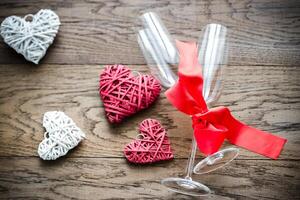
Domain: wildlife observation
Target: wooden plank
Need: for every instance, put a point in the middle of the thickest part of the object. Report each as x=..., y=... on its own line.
x=101, y=178
x=262, y=32
x=266, y=97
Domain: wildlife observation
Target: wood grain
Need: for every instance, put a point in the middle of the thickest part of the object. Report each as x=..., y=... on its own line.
x=262, y=89
x=267, y=98
x=262, y=32
x=103, y=178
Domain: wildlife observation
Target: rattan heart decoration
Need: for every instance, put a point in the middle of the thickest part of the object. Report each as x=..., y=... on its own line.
x=32, y=35
x=152, y=144
x=124, y=94
x=61, y=135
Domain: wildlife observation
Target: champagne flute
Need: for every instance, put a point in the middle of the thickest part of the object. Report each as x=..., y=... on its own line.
x=158, y=49
x=212, y=56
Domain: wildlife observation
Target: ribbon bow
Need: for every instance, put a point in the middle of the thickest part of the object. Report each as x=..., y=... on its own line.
x=213, y=126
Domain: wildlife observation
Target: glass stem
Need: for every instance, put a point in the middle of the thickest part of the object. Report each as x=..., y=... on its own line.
x=191, y=161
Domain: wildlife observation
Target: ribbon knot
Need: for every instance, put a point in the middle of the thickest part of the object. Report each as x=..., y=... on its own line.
x=213, y=126
x=198, y=121
x=209, y=131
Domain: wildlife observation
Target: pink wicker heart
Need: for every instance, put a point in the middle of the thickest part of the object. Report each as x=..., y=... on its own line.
x=153, y=146
x=124, y=94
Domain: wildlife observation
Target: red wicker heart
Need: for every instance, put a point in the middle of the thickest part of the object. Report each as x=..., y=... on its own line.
x=124, y=94
x=153, y=146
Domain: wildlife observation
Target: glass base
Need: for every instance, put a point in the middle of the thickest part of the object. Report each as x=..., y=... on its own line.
x=216, y=161
x=186, y=186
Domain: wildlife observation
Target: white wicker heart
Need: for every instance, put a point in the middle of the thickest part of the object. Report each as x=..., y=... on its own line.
x=61, y=135
x=32, y=35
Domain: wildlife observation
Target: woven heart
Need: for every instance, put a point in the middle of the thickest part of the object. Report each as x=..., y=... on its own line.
x=61, y=135
x=153, y=146
x=124, y=94
x=31, y=38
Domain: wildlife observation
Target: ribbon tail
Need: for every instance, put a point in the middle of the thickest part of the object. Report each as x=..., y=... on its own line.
x=253, y=139
x=186, y=94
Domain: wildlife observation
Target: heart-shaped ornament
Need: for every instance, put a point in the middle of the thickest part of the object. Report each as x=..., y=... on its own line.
x=152, y=145
x=32, y=35
x=61, y=135
x=124, y=94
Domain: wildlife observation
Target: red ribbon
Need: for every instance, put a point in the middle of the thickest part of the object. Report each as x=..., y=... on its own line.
x=213, y=126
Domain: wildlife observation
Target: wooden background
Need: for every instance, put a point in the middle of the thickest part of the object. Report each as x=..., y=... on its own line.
x=262, y=89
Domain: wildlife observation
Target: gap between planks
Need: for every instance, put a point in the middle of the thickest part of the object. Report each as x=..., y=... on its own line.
x=177, y=158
